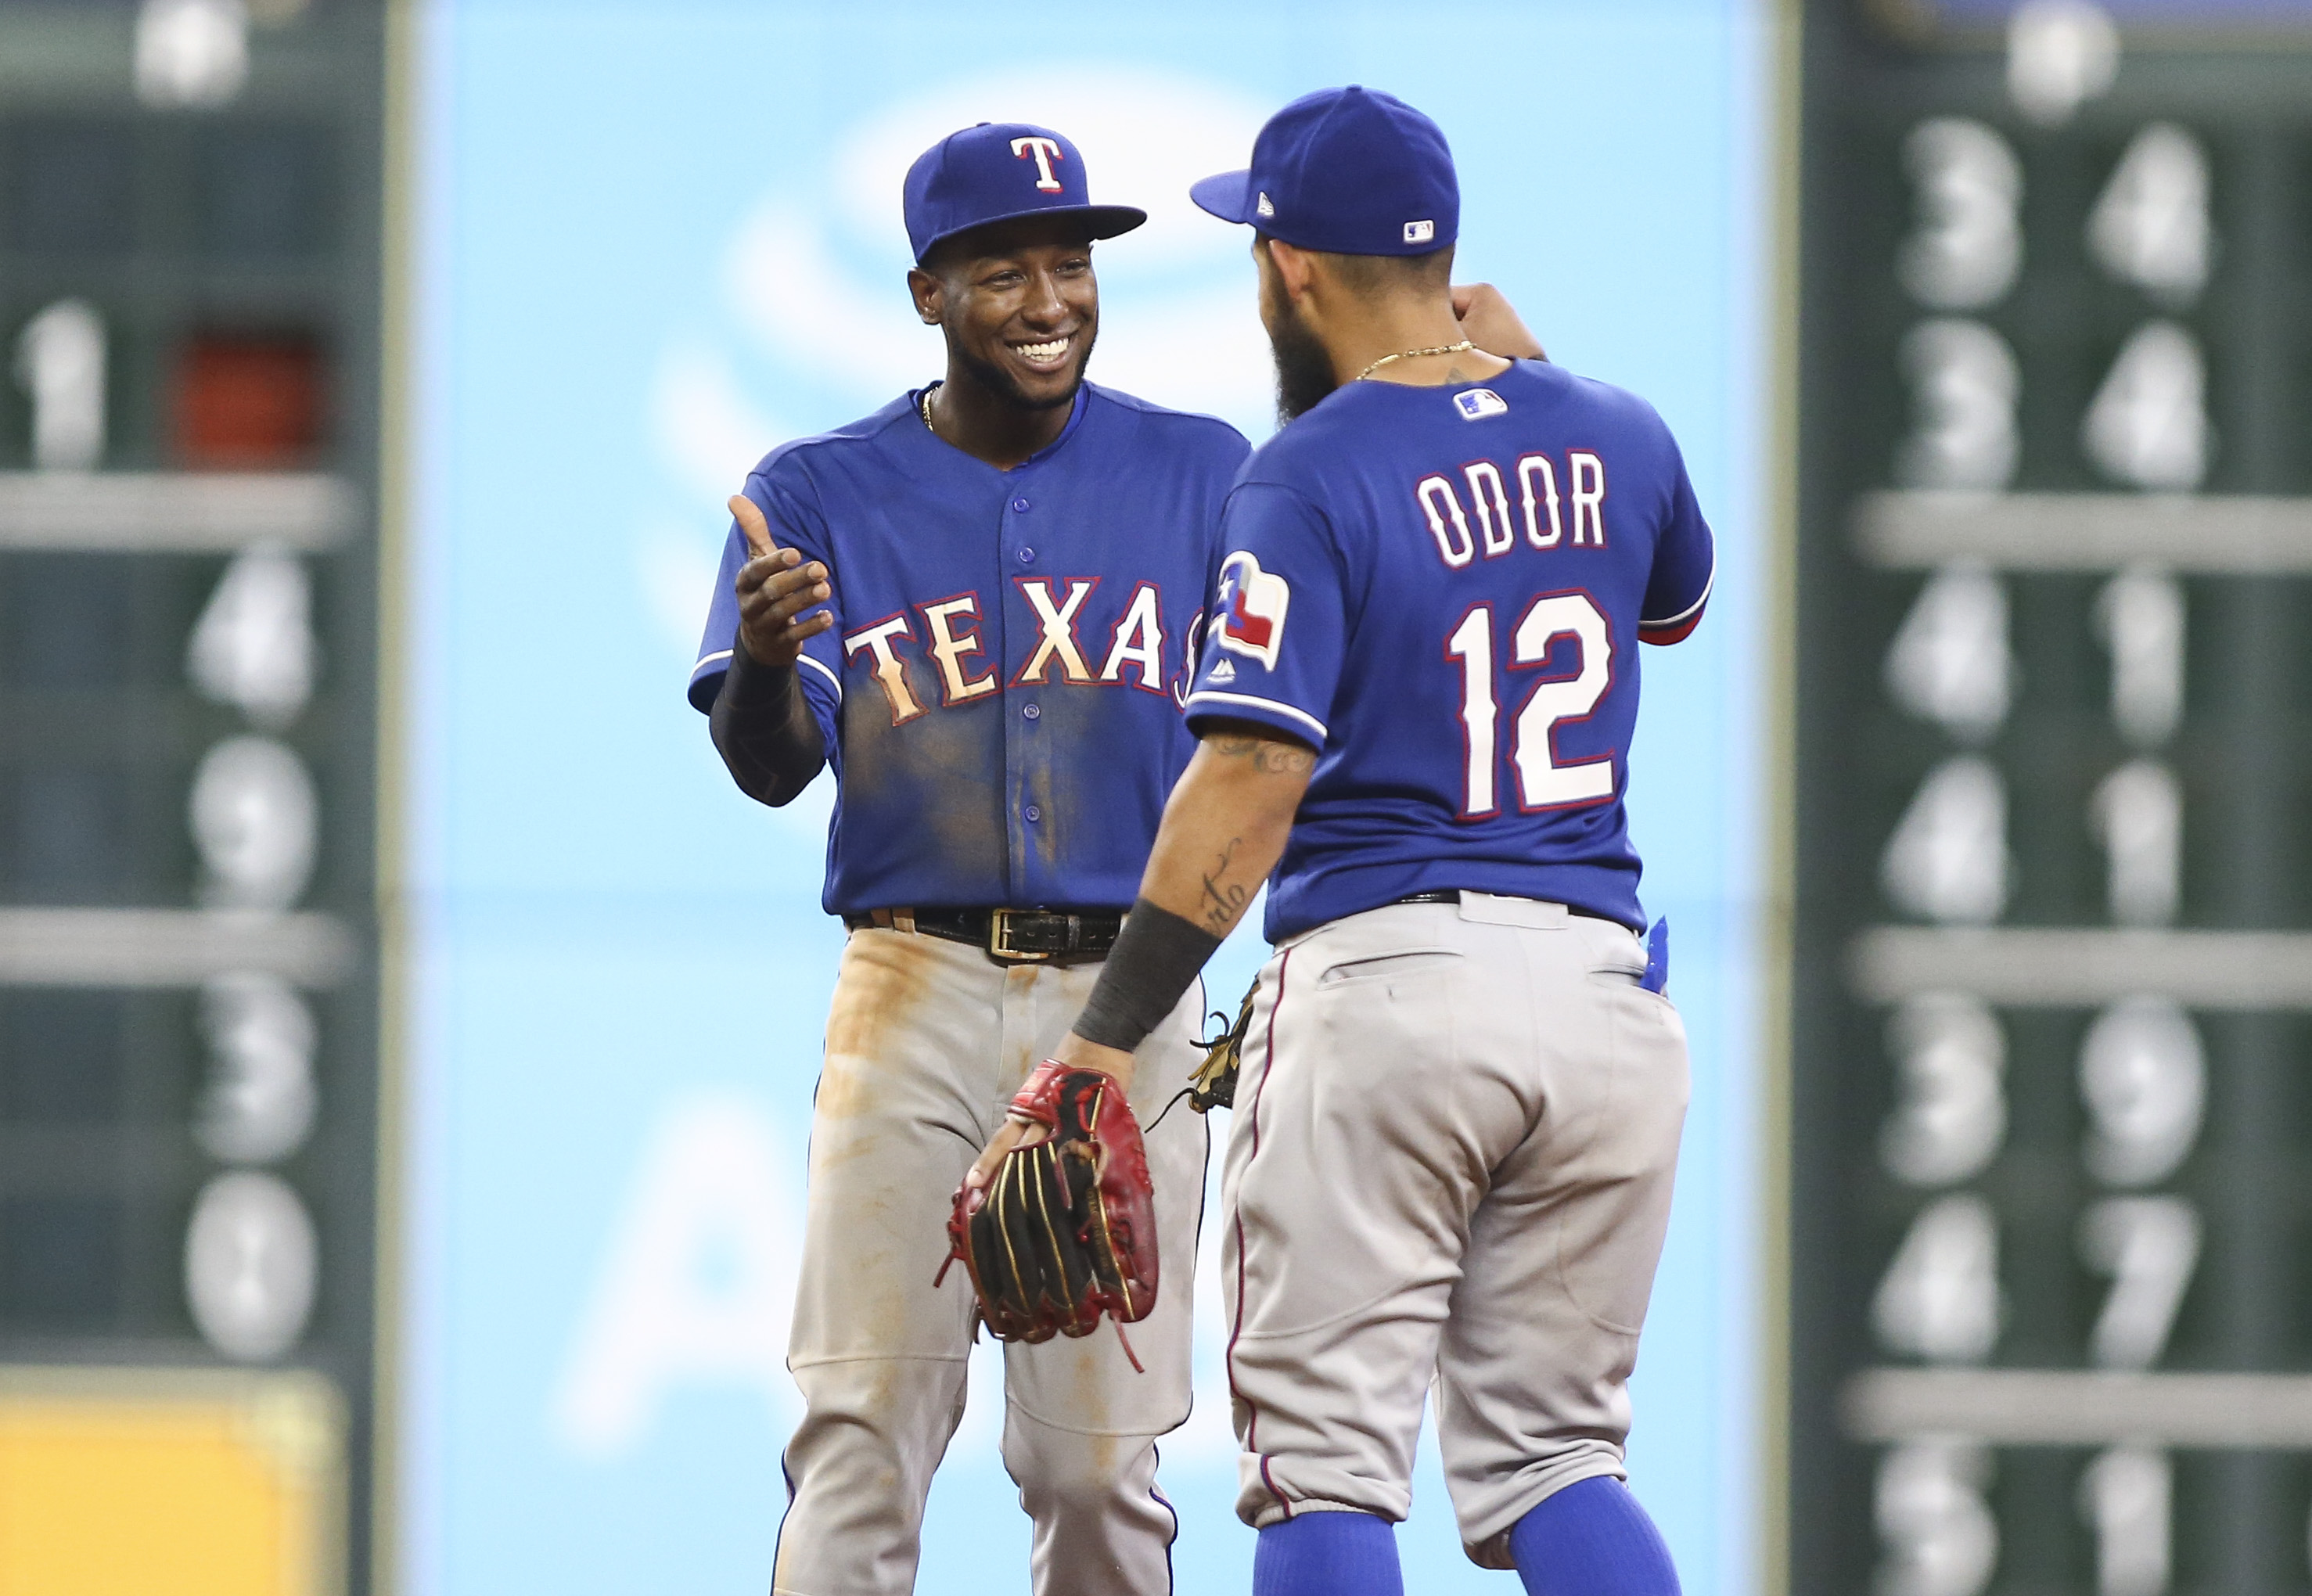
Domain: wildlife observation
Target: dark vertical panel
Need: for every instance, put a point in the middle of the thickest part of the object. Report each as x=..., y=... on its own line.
x=1871, y=73
x=234, y=254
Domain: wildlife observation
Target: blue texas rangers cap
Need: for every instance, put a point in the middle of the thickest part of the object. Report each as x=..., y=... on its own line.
x=999, y=171
x=1350, y=171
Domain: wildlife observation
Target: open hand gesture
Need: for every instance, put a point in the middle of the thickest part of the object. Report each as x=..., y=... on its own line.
x=775, y=588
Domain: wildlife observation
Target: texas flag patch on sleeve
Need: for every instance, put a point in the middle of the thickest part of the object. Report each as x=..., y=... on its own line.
x=1253, y=602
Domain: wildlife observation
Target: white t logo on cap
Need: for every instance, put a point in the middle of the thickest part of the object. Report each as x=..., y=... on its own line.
x=1420, y=233
x=1046, y=151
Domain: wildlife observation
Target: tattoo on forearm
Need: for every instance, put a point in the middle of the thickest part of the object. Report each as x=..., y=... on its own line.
x=1223, y=899
x=1268, y=757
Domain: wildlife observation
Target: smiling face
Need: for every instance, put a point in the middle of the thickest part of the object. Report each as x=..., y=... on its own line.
x=1019, y=306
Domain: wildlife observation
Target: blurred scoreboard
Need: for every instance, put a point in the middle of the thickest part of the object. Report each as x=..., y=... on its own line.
x=190, y=238
x=2050, y=1293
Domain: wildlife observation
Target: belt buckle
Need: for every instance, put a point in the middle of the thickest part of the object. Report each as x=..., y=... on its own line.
x=999, y=942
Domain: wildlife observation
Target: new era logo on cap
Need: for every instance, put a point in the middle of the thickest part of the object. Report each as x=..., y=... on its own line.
x=1264, y=209
x=1420, y=233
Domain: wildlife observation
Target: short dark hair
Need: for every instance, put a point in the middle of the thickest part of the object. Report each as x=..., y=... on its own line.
x=1377, y=276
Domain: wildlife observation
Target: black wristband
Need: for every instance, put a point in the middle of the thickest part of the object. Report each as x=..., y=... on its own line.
x=750, y=682
x=1156, y=955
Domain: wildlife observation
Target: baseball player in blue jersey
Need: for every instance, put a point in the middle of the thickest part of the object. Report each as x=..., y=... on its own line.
x=978, y=607
x=1462, y=1087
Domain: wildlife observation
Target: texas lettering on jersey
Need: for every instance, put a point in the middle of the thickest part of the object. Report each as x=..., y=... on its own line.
x=942, y=642
x=1000, y=695
x=1442, y=591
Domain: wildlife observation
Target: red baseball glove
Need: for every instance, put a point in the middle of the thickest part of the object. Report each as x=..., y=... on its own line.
x=1065, y=1233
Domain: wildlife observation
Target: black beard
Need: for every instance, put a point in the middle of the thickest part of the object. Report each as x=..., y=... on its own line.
x=1006, y=387
x=1304, y=370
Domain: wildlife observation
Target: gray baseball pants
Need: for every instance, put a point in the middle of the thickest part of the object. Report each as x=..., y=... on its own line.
x=1455, y=1135
x=926, y=1042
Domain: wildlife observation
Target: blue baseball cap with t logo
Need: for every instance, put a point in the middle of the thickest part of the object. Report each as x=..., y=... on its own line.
x=1000, y=171
x=1350, y=171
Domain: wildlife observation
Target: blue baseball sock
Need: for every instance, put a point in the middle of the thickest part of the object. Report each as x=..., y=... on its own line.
x=1591, y=1538
x=1327, y=1554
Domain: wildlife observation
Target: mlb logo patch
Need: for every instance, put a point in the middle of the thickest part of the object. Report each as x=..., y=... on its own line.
x=1420, y=233
x=1261, y=207
x=1477, y=403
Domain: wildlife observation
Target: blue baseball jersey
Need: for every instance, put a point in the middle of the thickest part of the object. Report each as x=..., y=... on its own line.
x=1443, y=589
x=1000, y=694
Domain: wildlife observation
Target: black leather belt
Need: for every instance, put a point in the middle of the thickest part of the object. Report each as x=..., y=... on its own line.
x=1007, y=935
x=1453, y=895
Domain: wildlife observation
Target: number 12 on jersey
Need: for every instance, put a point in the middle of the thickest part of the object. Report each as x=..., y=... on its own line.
x=1543, y=783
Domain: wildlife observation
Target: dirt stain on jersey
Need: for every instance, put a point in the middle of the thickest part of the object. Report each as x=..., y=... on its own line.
x=945, y=768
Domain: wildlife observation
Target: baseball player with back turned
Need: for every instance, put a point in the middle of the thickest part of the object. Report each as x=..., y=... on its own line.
x=977, y=605
x=1462, y=1088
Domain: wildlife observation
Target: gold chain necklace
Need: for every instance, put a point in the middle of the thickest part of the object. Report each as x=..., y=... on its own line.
x=924, y=405
x=1411, y=354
